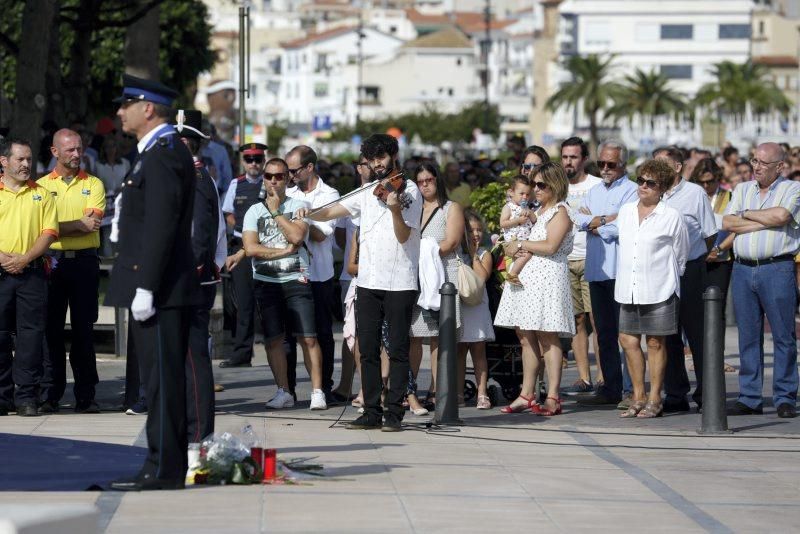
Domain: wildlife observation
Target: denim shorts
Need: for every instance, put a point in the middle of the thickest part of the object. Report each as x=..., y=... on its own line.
x=286, y=307
x=659, y=319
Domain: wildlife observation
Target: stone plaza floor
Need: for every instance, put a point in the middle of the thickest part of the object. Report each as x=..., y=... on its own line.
x=584, y=471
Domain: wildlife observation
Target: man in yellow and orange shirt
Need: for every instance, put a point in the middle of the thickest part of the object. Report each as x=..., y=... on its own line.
x=30, y=226
x=80, y=202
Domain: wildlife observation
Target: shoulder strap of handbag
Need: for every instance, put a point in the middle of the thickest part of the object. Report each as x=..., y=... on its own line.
x=428, y=221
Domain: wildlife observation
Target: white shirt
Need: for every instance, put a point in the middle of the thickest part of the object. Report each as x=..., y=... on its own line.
x=383, y=262
x=577, y=192
x=651, y=256
x=321, y=268
x=692, y=202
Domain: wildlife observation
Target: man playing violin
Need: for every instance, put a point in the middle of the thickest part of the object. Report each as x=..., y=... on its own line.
x=387, y=277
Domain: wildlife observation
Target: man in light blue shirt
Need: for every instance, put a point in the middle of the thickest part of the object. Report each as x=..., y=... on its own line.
x=216, y=152
x=597, y=218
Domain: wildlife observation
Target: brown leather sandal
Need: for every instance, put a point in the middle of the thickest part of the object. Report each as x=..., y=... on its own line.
x=633, y=411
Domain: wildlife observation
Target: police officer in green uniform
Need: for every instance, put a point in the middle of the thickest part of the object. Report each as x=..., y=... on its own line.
x=155, y=275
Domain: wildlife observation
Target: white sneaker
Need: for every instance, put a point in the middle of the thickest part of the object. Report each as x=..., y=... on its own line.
x=318, y=400
x=282, y=399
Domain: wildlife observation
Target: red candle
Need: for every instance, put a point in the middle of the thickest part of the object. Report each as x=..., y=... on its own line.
x=257, y=454
x=270, y=464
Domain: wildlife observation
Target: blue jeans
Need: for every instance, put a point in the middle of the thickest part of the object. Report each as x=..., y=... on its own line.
x=772, y=290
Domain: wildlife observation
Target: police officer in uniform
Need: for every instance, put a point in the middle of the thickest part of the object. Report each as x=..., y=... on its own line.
x=245, y=191
x=155, y=275
x=206, y=239
x=29, y=226
x=75, y=275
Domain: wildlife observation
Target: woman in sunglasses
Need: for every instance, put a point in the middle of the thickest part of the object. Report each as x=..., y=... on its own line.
x=651, y=257
x=541, y=309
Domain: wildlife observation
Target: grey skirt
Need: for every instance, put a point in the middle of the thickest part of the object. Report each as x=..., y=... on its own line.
x=659, y=319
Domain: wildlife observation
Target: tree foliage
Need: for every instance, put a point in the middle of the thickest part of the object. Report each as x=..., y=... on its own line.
x=591, y=88
x=184, y=44
x=737, y=85
x=430, y=124
x=647, y=94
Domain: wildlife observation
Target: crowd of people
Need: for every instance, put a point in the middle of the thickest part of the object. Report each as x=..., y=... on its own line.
x=622, y=250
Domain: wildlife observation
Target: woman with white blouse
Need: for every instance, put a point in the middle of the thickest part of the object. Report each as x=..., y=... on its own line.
x=651, y=257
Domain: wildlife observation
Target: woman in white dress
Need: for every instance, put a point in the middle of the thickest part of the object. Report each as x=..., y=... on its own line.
x=542, y=307
x=477, y=320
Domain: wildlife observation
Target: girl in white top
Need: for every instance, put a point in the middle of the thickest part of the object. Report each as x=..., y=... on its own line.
x=651, y=257
x=477, y=320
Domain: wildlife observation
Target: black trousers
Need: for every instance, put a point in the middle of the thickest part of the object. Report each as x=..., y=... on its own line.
x=718, y=273
x=161, y=344
x=244, y=288
x=690, y=321
x=323, y=319
x=23, y=309
x=73, y=284
x=605, y=310
x=199, y=376
x=372, y=307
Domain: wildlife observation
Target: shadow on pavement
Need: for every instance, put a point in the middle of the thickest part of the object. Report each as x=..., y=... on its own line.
x=35, y=463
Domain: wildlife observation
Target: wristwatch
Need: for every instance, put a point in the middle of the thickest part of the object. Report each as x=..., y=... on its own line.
x=716, y=249
x=602, y=220
x=519, y=245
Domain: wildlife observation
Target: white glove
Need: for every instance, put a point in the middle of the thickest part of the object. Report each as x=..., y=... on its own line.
x=142, y=305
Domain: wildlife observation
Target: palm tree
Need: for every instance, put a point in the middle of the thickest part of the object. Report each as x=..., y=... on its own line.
x=590, y=88
x=737, y=85
x=647, y=94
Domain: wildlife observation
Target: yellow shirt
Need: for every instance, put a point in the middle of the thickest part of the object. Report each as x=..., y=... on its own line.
x=24, y=216
x=84, y=195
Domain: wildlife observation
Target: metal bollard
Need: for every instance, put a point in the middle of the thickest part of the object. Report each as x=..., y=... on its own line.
x=714, y=419
x=446, y=388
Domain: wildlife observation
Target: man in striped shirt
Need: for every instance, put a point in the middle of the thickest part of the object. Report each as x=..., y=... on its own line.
x=765, y=216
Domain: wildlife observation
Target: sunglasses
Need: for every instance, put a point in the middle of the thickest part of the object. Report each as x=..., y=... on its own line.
x=541, y=186
x=253, y=159
x=426, y=181
x=607, y=164
x=279, y=176
x=295, y=171
x=707, y=182
x=651, y=184
x=528, y=166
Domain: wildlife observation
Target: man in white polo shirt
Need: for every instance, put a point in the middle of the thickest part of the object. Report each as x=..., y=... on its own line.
x=309, y=187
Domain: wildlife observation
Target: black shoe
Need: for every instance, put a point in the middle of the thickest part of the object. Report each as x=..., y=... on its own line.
x=786, y=411
x=235, y=363
x=87, y=407
x=741, y=408
x=3, y=411
x=147, y=483
x=364, y=422
x=27, y=410
x=598, y=399
x=140, y=408
x=49, y=407
x=675, y=407
x=391, y=423
x=334, y=398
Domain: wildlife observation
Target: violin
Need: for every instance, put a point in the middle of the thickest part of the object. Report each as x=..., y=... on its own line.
x=395, y=183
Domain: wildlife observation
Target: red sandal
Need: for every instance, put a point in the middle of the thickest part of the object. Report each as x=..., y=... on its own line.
x=539, y=409
x=521, y=408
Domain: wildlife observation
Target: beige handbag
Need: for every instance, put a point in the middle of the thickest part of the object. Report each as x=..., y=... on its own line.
x=470, y=285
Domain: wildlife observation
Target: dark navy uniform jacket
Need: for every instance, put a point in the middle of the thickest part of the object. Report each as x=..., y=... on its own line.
x=205, y=225
x=155, y=227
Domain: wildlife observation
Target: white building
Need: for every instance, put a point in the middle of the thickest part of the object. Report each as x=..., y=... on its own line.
x=680, y=38
x=318, y=74
x=438, y=69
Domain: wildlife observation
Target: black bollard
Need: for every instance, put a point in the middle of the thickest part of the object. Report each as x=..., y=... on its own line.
x=446, y=388
x=715, y=419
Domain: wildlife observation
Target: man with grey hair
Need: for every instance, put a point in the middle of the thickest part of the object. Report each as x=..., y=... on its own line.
x=765, y=216
x=597, y=217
